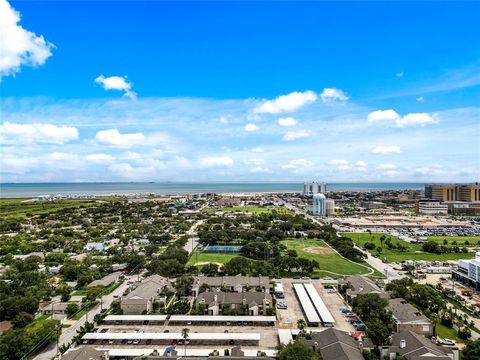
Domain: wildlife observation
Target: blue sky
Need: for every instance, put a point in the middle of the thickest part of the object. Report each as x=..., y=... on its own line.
x=113, y=91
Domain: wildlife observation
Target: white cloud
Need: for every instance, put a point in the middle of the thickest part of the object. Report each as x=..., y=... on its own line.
x=386, y=167
x=416, y=119
x=401, y=121
x=36, y=133
x=215, y=161
x=340, y=164
x=127, y=171
x=117, y=83
x=255, y=161
x=388, y=149
x=260, y=170
x=99, y=158
x=420, y=99
x=330, y=95
x=383, y=115
x=286, y=103
x=288, y=121
x=361, y=165
x=391, y=173
x=298, y=164
x=400, y=74
x=428, y=171
x=19, y=46
x=251, y=127
x=257, y=150
x=60, y=156
x=293, y=135
x=113, y=137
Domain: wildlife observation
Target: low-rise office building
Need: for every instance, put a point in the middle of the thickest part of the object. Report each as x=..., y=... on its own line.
x=431, y=207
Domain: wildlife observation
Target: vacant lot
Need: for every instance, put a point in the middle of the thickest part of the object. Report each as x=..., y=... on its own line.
x=249, y=209
x=330, y=262
x=198, y=258
x=413, y=251
x=21, y=208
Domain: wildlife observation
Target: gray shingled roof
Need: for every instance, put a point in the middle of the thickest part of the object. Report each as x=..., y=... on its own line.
x=404, y=312
x=416, y=345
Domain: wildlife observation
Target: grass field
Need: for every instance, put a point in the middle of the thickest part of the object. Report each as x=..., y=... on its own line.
x=444, y=332
x=330, y=262
x=19, y=208
x=202, y=258
x=249, y=209
x=414, y=251
x=473, y=240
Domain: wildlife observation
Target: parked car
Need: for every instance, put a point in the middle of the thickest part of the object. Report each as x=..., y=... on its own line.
x=446, y=341
x=136, y=341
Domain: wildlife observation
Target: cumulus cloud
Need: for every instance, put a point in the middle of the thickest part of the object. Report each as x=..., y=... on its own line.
x=401, y=121
x=215, y=161
x=361, y=165
x=400, y=74
x=288, y=121
x=386, y=167
x=428, y=170
x=383, y=115
x=257, y=150
x=286, y=103
x=420, y=99
x=99, y=158
x=117, y=83
x=251, y=127
x=18, y=45
x=13, y=133
x=260, y=170
x=297, y=164
x=330, y=95
x=294, y=135
x=113, y=137
x=388, y=149
x=340, y=164
x=416, y=119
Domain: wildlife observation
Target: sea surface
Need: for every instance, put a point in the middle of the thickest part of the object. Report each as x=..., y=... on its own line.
x=28, y=190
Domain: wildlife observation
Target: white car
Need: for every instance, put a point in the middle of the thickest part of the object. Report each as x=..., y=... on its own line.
x=446, y=341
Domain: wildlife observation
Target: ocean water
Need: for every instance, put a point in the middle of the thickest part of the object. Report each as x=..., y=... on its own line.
x=27, y=190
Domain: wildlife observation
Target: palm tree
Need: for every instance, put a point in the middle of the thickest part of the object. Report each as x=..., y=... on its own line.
x=301, y=324
x=185, y=332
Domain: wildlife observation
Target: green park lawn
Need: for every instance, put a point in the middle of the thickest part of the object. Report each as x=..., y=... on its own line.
x=473, y=240
x=202, y=258
x=249, y=209
x=414, y=251
x=331, y=263
x=445, y=332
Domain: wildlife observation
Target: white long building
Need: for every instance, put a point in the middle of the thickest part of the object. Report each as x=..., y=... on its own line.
x=468, y=272
x=308, y=308
x=322, y=310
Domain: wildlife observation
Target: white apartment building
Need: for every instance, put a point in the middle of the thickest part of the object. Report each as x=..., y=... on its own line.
x=429, y=207
x=468, y=272
x=311, y=188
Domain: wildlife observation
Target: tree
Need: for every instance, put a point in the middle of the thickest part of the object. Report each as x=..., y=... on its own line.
x=64, y=291
x=472, y=350
x=378, y=332
x=94, y=293
x=297, y=350
x=183, y=285
x=301, y=324
x=22, y=319
x=185, y=332
x=210, y=269
x=71, y=309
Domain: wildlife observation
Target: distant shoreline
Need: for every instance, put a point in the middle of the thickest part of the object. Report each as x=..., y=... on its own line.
x=99, y=189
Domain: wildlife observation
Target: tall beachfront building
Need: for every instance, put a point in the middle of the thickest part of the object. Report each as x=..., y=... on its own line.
x=319, y=205
x=453, y=192
x=311, y=188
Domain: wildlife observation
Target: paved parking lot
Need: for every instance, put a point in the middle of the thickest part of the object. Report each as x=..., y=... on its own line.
x=334, y=302
x=288, y=317
x=268, y=335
